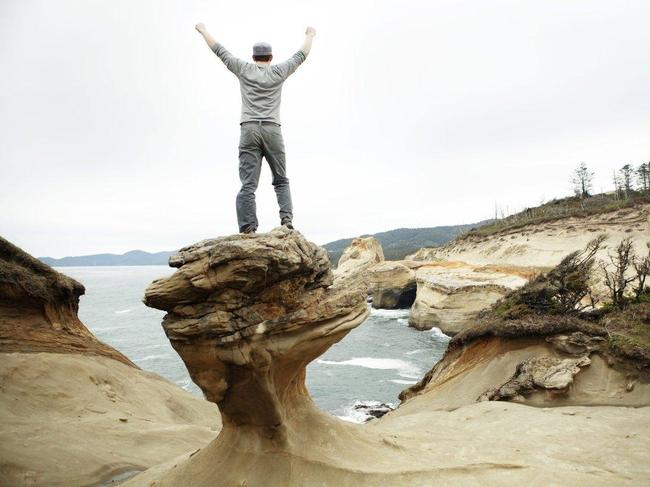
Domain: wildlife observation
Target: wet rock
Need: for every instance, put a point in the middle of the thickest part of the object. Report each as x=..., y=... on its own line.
x=373, y=409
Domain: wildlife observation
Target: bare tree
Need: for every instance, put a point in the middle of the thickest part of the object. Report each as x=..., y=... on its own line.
x=618, y=186
x=618, y=278
x=582, y=180
x=643, y=176
x=642, y=268
x=626, y=176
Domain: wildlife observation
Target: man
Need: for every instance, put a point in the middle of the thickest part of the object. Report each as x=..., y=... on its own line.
x=261, y=136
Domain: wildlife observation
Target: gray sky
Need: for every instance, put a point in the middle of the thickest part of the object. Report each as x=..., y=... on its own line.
x=119, y=127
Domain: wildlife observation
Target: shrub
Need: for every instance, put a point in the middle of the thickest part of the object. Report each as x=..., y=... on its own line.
x=562, y=290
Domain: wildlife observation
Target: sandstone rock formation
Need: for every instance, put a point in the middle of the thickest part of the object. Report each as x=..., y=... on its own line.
x=543, y=372
x=535, y=363
x=38, y=309
x=359, y=256
x=248, y=312
x=392, y=285
x=73, y=410
x=450, y=294
x=544, y=245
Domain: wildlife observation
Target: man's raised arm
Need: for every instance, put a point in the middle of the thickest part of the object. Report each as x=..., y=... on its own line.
x=309, y=37
x=232, y=63
x=287, y=68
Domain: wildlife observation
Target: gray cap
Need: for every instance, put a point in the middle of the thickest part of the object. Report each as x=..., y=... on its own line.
x=262, y=49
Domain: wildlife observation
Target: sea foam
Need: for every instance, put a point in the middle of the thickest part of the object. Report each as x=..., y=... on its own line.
x=436, y=332
x=404, y=369
x=390, y=313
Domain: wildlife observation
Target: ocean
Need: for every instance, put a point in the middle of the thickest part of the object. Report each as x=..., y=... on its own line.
x=371, y=365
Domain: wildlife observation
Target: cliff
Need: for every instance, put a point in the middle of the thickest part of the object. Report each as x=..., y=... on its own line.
x=73, y=410
x=248, y=312
x=543, y=244
x=38, y=309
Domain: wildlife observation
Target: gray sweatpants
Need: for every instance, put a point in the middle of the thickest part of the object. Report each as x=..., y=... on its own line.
x=257, y=141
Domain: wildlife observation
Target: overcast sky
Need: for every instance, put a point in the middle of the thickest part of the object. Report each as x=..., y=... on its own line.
x=119, y=127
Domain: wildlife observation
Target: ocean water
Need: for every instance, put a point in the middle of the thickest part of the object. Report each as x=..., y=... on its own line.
x=372, y=364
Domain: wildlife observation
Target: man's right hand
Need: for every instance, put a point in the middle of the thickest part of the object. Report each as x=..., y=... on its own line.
x=200, y=27
x=310, y=31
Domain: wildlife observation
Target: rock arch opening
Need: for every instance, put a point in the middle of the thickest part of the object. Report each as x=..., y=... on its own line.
x=407, y=297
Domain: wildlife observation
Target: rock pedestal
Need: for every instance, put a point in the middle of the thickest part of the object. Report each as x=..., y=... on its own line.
x=247, y=313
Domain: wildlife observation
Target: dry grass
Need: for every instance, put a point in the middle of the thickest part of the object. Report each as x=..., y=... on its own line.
x=532, y=325
x=572, y=207
x=24, y=277
x=629, y=331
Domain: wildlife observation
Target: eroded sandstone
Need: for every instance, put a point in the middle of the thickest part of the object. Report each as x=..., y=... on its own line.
x=38, y=309
x=250, y=360
x=392, y=285
x=450, y=294
x=73, y=410
x=247, y=313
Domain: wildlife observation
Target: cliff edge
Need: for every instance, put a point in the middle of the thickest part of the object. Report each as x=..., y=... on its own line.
x=73, y=410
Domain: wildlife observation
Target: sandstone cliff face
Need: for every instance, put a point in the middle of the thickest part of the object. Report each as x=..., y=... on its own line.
x=248, y=312
x=73, y=410
x=544, y=245
x=38, y=309
x=450, y=294
x=392, y=285
x=359, y=256
x=533, y=363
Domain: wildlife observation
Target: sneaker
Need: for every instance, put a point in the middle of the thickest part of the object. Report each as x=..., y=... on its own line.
x=247, y=229
x=289, y=225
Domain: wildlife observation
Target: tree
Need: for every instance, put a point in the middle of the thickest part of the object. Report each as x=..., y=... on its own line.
x=643, y=176
x=618, y=186
x=618, y=278
x=564, y=289
x=582, y=180
x=626, y=176
x=642, y=268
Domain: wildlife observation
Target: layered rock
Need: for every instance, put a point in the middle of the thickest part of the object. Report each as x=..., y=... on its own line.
x=538, y=373
x=545, y=244
x=38, y=309
x=450, y=294
x=73, y=410
x=359, y=256
x=392, y=285
x=247, y=314
x=542, y=361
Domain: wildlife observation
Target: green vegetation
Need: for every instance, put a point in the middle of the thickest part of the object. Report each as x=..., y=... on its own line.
x=561, y=301
x=629, y=330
